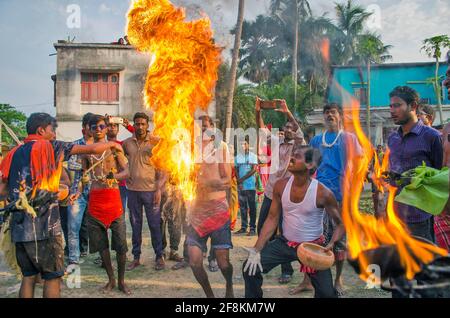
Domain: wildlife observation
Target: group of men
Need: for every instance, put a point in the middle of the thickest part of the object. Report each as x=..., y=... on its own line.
x=302, y=199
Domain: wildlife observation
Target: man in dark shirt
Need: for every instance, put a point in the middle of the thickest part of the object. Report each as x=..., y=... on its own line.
x=34, y=168
x=411, y=145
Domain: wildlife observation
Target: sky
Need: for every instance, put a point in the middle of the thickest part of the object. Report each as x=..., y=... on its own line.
x=28, y=29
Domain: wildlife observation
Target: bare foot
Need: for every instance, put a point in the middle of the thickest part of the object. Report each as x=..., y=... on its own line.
x=108, y=287
x=339, y=287
x=124, y=289
x=302, y=287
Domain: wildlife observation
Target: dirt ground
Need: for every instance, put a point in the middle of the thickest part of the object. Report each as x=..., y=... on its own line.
x=145, y=282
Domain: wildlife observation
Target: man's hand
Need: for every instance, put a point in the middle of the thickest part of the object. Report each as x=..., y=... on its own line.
x=258, y=104
x=73, y=198
x=115, y=146
x=329, y=247
x=253, y=261
x=283, y=107
x=157, y=199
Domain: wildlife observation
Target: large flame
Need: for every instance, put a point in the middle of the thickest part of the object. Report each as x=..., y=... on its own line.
x=365, y=231
x=180, y=80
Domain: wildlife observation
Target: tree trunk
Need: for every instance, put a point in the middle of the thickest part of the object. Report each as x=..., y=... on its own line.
x=234, y=65
x=437, y=90
x=368, y=101
x=295, y=52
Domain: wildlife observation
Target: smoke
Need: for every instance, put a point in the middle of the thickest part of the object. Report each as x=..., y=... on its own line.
x=223, y=15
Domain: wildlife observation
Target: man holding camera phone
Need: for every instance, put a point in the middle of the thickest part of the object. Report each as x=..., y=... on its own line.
x=292, y=131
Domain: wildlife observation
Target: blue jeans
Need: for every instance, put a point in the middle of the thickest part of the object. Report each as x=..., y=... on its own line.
x=75, y=215
x=137, y=200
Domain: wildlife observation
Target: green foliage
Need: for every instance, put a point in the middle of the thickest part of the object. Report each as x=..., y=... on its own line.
x=370, y=49
x=433, y=46
x=245, y=96
x=266, y=58
x=16, y=120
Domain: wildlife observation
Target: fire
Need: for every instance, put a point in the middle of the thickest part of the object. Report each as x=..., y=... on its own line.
x=181, y=78
x=365, y=231
x=325, y=50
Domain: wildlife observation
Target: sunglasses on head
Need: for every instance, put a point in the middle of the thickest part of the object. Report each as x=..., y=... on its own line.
x=94, y=127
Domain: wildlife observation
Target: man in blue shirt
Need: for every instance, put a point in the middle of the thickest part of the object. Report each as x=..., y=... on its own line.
x=332, y=145
x=32, y=169
x=245, y=163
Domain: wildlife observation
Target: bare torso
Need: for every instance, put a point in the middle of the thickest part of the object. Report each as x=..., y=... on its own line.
x=102, y=176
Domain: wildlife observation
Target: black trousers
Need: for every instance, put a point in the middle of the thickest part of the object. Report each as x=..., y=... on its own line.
x=277, y=252
x=286, y=268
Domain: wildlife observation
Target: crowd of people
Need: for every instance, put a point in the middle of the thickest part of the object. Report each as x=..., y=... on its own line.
x=300, y=202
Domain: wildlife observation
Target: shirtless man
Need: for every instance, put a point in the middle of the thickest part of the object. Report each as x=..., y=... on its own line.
x=105, y=209
x=209, y=215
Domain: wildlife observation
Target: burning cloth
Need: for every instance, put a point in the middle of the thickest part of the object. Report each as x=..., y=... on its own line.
x=428, y=190
x=209, y=216
x=105, y=205
x=45, y=168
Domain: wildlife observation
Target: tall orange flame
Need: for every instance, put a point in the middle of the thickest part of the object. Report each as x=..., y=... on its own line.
x=180, y=80
x=365, y=231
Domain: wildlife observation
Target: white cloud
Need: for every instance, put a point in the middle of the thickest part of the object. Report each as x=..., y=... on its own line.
x=104, y=8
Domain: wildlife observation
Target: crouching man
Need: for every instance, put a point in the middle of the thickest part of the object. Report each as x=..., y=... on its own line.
x=301, y=201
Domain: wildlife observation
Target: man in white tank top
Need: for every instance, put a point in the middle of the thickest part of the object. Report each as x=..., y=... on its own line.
x=301, y=202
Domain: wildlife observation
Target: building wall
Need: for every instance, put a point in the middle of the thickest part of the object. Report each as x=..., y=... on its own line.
x=73, y=59
x=384, y=78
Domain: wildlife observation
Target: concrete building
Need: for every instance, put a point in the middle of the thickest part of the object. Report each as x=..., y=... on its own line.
x=384, y=77
x=97, y=78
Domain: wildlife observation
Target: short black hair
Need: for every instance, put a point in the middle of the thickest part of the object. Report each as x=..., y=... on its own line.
x=408, y=94
x=427, y=109
x=95, y=119
x=141, y=115
x=39, y=120
x=85, y=120
x=333, y=106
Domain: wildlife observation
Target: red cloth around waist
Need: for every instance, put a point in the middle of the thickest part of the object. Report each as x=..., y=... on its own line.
x=304, y=268
x=105, y=205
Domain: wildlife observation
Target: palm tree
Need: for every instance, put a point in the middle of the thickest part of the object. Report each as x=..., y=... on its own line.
x=433, y=47
x=370, y=49
x=316, y=30
x=350, y=20
x=260, y=48
x=234, y=64
x=292, y=12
